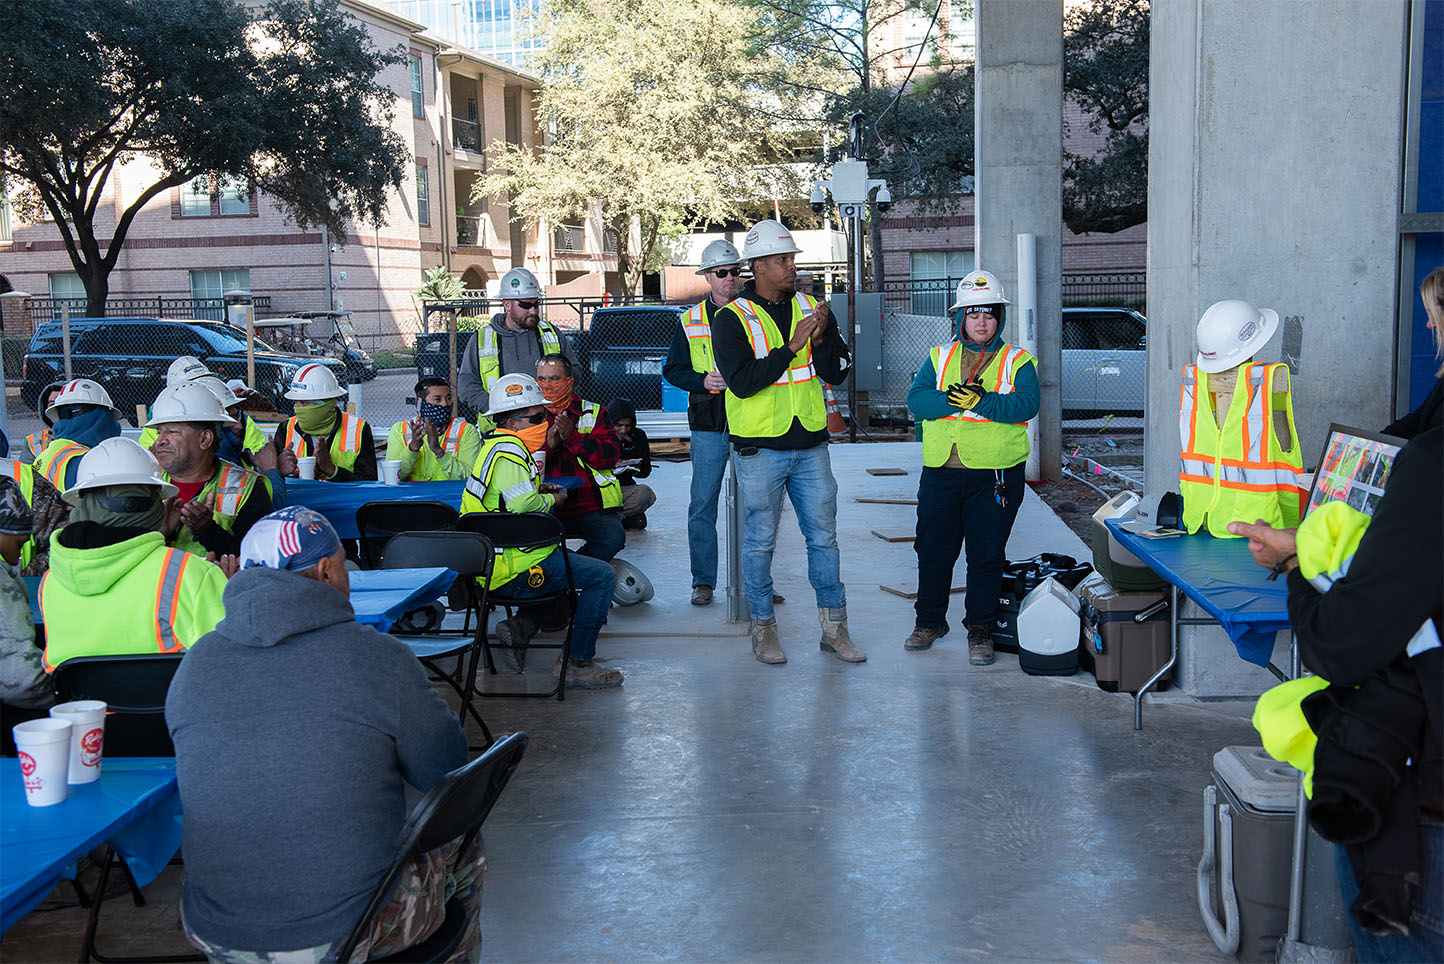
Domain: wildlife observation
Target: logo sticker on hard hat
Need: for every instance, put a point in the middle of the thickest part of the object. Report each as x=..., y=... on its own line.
x=516, y=282
x=980, y=282
x=1246, y=332
x=513, y=389
x=751, y=237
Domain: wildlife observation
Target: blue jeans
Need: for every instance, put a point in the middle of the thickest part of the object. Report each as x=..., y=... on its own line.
x=806, y=475
x=709, y=463
x=602, y=531
x=594, y=583
x=1426, y=928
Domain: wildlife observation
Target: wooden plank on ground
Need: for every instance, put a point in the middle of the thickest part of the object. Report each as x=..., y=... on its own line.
x=887, y=471
x=896, y=533
x=888, y=501
x=909, y=589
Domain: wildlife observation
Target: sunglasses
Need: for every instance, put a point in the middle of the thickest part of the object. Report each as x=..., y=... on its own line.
x=728, y=272
x=536, y=419
x=527, y=305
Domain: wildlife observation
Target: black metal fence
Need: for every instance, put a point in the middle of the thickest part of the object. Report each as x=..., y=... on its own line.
x=205, y=309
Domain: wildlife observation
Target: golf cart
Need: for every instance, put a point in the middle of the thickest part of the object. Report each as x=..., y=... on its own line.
x=326, y=333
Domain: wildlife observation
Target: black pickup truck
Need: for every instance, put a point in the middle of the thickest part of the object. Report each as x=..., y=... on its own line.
x=621, y=353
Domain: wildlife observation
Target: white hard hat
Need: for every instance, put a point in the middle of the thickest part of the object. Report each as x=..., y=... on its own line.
x=768, y=237
x=81, y=391
x=1232, y=332
x=117, y=461
x=719, y=254
x=186, y=368
x=221, y=390
x=188, y=402
x=511, y=392
x=314, y=383
x=979, y=288
x=519, y=283
x=632, y=584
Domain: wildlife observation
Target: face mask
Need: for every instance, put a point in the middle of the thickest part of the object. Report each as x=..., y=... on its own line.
x=230, y=438
x=317, y=419
x=438, y=415
x=557, y=394
x=534, y=437
x=151, y=516
x=89, y=428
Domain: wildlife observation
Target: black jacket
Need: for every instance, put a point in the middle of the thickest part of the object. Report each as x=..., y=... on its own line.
x=706, y=410
x=746, y=375
x=1428, y=415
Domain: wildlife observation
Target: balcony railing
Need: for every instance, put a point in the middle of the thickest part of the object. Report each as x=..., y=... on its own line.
x=469, y=231
x=569, y=237
x=466, y=135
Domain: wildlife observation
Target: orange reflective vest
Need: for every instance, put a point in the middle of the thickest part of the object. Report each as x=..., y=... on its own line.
x=1241, y=472
x=345, y=444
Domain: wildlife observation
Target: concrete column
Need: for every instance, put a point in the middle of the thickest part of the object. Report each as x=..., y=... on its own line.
x=1018, y=163
x=1273, y=177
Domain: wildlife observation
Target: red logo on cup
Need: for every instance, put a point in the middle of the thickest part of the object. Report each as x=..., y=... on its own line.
x=90, y=747
x=27, y=763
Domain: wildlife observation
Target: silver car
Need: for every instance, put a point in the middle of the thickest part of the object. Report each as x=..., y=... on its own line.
x=1104, y=361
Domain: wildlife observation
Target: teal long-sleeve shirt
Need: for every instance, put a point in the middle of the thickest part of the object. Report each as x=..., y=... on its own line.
x=1019, y=405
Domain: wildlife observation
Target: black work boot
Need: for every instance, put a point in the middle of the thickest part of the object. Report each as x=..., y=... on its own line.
x=980, y=644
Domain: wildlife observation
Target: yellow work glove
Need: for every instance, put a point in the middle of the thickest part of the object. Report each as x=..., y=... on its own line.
x=964, y=396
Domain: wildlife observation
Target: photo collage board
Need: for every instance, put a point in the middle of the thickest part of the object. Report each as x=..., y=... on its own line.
x=1354, y=468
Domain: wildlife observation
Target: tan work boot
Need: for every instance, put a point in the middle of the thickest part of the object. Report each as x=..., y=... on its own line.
x=980, y=645
x=590, y=675
x=765, y=645
x=922, y=637
x=515, y=635
x=835, y=638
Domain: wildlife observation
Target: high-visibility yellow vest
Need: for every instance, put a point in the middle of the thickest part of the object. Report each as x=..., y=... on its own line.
x=981, y=443
x=797, y=394
x=699, y=339
x=55, y=459
x=164, y=604
x=507, y=454
x=488, y=360
x=426, y=469
x=607, y=485
x=24, y=476
x=1239, y=473
x=345, y=444
x=36, y=442
x=231, y=486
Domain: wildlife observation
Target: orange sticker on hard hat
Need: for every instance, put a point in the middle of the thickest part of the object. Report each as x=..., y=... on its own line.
x=513, y=389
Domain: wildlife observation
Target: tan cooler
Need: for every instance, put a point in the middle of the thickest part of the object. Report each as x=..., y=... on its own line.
x=1125, y=635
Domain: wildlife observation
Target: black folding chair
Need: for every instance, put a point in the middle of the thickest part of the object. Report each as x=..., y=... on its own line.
x=379, y=521
x=134, y=690
x=471, y=556
x=454, y=807
x=526, y=530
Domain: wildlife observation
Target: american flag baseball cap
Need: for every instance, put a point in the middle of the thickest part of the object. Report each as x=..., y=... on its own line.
x=294, y=538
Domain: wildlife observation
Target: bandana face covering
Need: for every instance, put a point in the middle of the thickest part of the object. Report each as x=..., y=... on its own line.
x=318, y=419
x=148, y=511
x=534, y=437
x=437, y=415
x=558, y=395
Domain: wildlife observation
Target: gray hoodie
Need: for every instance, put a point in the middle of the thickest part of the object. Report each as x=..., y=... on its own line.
x=295, y=728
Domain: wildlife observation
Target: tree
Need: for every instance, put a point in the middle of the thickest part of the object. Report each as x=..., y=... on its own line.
x=659, y=116
x=1105, y=58
x=288, y=100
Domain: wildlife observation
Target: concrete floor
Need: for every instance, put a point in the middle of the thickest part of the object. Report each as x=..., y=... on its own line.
x=912, y=808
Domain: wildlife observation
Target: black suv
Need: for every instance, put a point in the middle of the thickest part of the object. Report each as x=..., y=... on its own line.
x=622, y=352
x=129, y=358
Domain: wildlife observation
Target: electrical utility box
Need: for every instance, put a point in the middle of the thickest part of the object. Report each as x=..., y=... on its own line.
x=864, y=338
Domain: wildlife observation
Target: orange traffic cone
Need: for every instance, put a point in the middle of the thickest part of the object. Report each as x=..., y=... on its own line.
x=835, y=423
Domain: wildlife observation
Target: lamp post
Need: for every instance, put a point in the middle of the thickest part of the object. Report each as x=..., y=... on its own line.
x=850, y=189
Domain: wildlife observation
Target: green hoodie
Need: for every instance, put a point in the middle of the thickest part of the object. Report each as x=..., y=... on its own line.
x=135, y=596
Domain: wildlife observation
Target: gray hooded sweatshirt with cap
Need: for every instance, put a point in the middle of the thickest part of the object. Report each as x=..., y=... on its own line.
x=295, y=730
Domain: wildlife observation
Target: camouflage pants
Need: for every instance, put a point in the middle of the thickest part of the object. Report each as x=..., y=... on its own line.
x=416, y=909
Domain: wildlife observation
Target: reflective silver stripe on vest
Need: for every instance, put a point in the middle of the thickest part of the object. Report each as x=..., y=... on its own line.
x=521, y=488
x=515, y=449
x=486, y=344
x=758, y=339
x=229, y=489
x=452, y=443
x=1186, y=411
x=475, y=487
x=1255, y=416
x=175, y=561
x=588, y=421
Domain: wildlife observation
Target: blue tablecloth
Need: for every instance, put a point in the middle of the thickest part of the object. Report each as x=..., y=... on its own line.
x=1221, y=576
x=134, y=807
x=382, y=596
x=338, y=501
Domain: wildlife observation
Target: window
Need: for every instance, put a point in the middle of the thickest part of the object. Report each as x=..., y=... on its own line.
x=195, y=198
x=423, y=197
x=418, y=88
x=67, y=285
x=235, y=195
x=944, y=269
x=212, y=283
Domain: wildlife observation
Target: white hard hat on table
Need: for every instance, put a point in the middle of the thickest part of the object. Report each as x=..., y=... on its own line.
x=766, y=238
x=519, y=283
x=979, y=288
x=188, y=402
x=512, y=392
x=186, y=368
x=314, y=383
x=1232, y=332
x=718, y=254
x=117, y=461
x=81, y=391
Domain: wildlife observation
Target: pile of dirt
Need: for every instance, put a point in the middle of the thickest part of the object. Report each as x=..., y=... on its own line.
x=1074, y=502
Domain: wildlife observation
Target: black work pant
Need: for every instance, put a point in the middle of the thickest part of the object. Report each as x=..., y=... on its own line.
x=958, y=506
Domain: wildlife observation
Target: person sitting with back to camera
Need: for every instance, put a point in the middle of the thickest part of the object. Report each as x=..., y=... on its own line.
x=506, y=480
x=635, y=463
x=433, y=446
